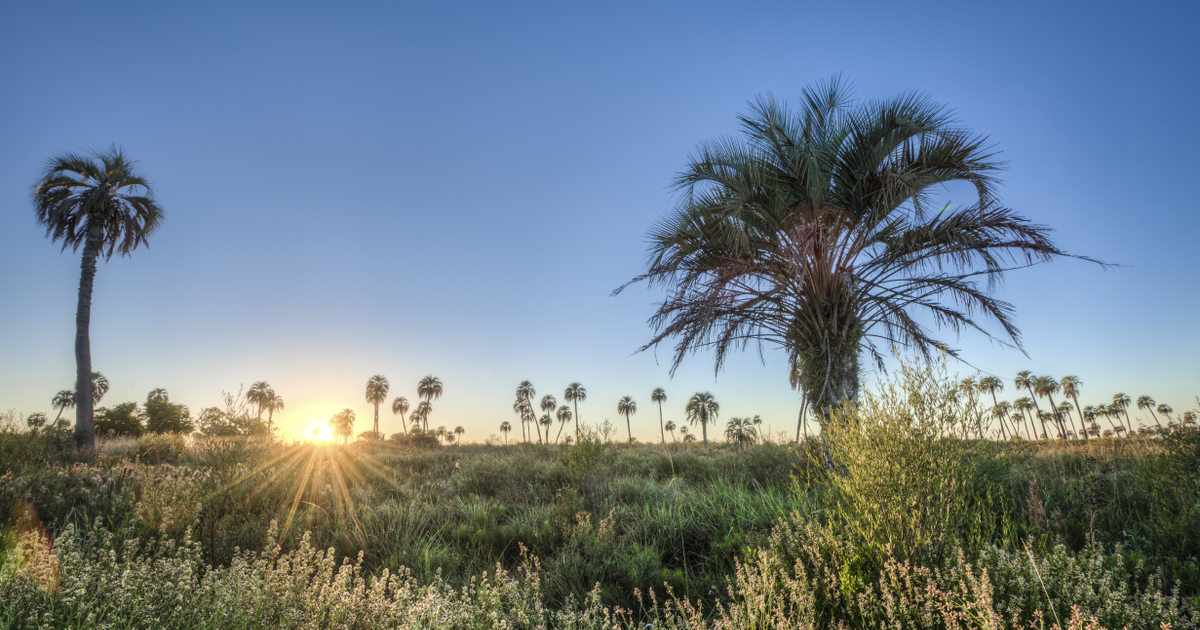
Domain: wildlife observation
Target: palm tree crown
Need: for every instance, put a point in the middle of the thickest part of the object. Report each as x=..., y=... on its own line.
x=702, y=408
x=377, y=389
x=400, y=406
x=525, y=393
x=813, y=232
x=659, y=396
x=627, y=407
x=575, y=394
x=430, y=388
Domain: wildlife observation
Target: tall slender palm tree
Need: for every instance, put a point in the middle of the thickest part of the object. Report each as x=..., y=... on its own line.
x=430, y=388
x=1114, y=411
x=1025, y=380
x=564, y=418
x=1064, y=410
x=659, y=396
x=400, y=406
x=458, y=433
x=702, y=408
x=548, y=406
x=757, y=422
x=422, y=411
x=1025, y=405
x=505, y=427
x=274, y=403
x=546, y=421
x=991, y=385
x=1147, y=403
x=626, y=406
x=1002, y=410
x=521, y=408
x=377, y=390
x=575, y=394
x=1070, y=387
x=258, y=394
x=99, y=202
x=813, y=231
x=64, y=399
x=1047, y=386
x=670, y=426
x=526, y=392
x=1122, y=401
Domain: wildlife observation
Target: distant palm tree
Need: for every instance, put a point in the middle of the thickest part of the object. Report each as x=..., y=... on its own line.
x=627, y=406
x=1114, y=411
x=1122, y=401
x=1001, y=411
x=757, y=421
x=741, y=431
x=521, y=408
x=564, y=418
x=1166, y=410
x=1026, y=405
x=1190, y=417
x=64, y=399
x=377, y=390
x=505, y=427
x=97, y=202
x=159, y=394
x=703, y=408
x=400, y=406
x=659, y=396
x=258, y=394
x=548, y=406
x=274, y=403
x=526, y=393
x=1064, y=410
x=575, y=394
x=991, y=385
x=430, y=388
x=670, y=426
x=458, y=432
x=1070, y=387
x=1025, y=380
x=440, y=433
x=422, y=411
x=1147, y=403
x=1048, y=387
x=342, y=424
x=99, y=388
x=316, y=433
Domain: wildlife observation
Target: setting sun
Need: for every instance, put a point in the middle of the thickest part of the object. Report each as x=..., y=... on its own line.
x=321, y=433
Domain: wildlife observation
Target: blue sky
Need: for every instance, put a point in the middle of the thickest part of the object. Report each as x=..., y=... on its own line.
x=456, y=188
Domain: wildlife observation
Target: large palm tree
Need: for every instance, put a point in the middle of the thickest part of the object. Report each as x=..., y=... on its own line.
x=814, y=231
x=64, y=399
x=1147, y=403
x=458, y=433
x=400, y=406
x=1122, y=401
x=564, y=418
x=575, y=394
x=430, y=388
x=741, y=431
x=98, y=202
x=659, y=396
x=1070, y=387
x=505, y=427
x=526, y=392
x=377, y=389
x=703, y=408
x=991, y=385
x=627, y=406
x=1002, y=410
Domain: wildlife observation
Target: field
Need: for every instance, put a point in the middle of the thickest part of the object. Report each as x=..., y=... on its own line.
x=898, y=519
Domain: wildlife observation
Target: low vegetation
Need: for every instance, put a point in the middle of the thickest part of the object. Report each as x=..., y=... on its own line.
x=897, y=517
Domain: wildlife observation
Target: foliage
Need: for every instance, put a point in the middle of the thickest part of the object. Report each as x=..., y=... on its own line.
x=124, y=419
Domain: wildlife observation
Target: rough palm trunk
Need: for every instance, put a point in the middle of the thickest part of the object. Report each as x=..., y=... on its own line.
x=704, y=427
x=661, y=431
x=1151, y=410
x=829, y=367
x=271, y=417
x=575, y=403
x=85, y=425
x=628, y=428
x=1079, y=410
x=376, y=430
x=536, y=425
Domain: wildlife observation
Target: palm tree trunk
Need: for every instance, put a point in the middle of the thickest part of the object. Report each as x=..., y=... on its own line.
x=85, y=422
x=376, y=429
x=662, y=433
x=536, y=425
x=800, y=419
x=561, y=426
x=704, y=430
x=1150, y=409
x=576, y=404
x=1079, y=410
x=996, y=403
x=271, y=416
x=628, y=428
x=1039, y=412
x=404, y=425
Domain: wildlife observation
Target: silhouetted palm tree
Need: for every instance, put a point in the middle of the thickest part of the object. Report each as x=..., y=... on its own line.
x=99, y=388
x=1070, y=387
x=627, y=407
x=659, y=396
x=526, y=392
x=575, y=394
x=158, y=394
x=1147, y=403
x=564, y=417
x=400, y=406
x=422, y=411
x=1002, y=410
x=458, y=432
x=1026, y=405
x=991, y=385
x=377, y=390
x=703, y=408
x=813, y=231
x=258, y=394
x=757, y=422
x=548, y=406
x=342, y=424
x=546, y=421
x=97, y=202
x=430, y=388
x=670, y=426
x=740, y=431
x=1047, y=386
x=1165, y=410
x=274, y=403
x=505, y=427
x=64, y=399
x=521, y=408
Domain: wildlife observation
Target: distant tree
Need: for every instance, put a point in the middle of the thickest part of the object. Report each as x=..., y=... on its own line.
x=458, y=432
x=316, y=433
x=1047, y=386
x=1147, y=403
x=564, y=418
x=122, y=420
x=258, y=395
x=1122, y=401
x=424, y=408
x=1070, y=387
x=626, y=406
x=377, y=389
x=1026, y=405
x=400, y=406
x=659, y=396
x=1025, y=380
x=991, y=385
x=1166, y=410
x=158, y=394
x=546, y=421
x=741, y=431
x=98, y=202
x=1002, y=410
x=36, y=420
x=670, y=427
x=160, y=416
x=702, y=408
x=429, y=388
x=342, y=424
x=274, y=403
x=505, y=427
x=64, y=399
x=526, y=393
x=575, y=394
x=521, y=408
x=757, y=422
x=99, y=386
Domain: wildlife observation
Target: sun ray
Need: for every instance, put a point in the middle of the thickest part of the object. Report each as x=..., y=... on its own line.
x=290, y=452
x=299, y=493
x=347, y=500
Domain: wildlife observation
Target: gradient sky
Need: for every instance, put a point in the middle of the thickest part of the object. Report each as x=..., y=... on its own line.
x=456, y=188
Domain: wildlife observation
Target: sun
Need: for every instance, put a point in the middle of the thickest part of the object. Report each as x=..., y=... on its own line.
x=322, y=433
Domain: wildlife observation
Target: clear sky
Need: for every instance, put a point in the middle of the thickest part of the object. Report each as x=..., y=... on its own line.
x=455, y=189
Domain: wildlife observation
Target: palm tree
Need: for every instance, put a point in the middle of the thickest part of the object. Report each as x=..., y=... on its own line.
x=991, y=385
x=1147, y=403
x=546, y=421
x=548, y=406
x=757, y=422
x=342, y=424
x=526, y=393
x=400, y=406
x=377, y=389
x=627, y=407
x=430, y=388
x=422, y=411
x=1165, y=410
x=1047, y=386
x=1025, y=380
x=98, y=202
x=659, y=396
x=1002, y=410
x=158, y=394
x=458, y=431
x=1122, y=401
x=564, y=417
x=258, y=394
x=1064, y=410
x=575, y=394
x=670, y=426
x=99, y=388
x=274, y=403
x=813, y=232
x=64, y=399
x=520, y=407
x=703, y=408
x=741, y=431
x=1070, y=387
x=1026, y=405
x=505, y=427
